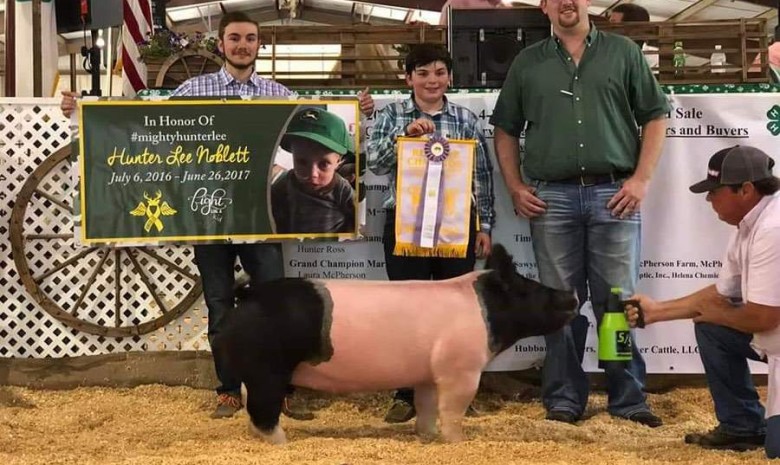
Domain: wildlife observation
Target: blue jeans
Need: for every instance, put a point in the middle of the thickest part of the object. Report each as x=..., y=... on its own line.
x=579, y=245
x=216, y=264
x=724, y=353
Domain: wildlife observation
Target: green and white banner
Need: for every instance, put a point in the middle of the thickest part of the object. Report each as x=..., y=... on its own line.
x=200, y=170
x=682, y=239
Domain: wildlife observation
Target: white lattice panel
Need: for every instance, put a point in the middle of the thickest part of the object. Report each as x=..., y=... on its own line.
x=30, y=131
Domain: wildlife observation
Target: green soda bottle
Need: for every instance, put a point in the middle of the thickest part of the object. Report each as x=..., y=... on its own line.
x=614, y=333
x=679, y=59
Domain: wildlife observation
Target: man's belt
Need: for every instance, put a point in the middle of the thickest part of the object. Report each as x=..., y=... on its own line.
x=593, y=179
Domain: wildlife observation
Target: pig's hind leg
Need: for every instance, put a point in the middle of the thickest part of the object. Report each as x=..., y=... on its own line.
x=426, y=405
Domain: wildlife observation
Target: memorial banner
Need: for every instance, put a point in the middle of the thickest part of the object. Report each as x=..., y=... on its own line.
x=201, y=170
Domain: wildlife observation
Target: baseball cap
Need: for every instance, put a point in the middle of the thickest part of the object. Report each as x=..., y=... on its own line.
x=321, y=126
x=734, y=166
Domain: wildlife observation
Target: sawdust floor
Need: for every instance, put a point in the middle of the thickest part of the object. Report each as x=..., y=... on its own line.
x=170, y=425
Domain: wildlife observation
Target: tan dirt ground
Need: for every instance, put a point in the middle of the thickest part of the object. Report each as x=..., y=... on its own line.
x=170, y=425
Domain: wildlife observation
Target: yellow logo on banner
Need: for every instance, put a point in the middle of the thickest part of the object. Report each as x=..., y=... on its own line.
x=153, y=209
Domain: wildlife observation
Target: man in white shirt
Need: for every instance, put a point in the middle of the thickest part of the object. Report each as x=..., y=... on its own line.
x=738, y=318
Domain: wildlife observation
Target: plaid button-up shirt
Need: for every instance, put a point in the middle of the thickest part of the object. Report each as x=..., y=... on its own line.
x=222, y=84
x=453, y=122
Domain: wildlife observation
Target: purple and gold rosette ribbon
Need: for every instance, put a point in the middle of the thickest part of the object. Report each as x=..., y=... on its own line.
x=437, y=148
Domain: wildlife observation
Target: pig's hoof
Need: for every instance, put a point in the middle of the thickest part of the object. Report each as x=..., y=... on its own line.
x=275, y=437
x=453, y=436
x=425, y=429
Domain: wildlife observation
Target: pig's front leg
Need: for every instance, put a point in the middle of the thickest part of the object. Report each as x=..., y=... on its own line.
x=263, y=399
x=426, y=405
x=455, y=393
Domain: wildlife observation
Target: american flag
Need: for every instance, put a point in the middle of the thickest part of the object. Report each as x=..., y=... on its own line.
x=137, y=25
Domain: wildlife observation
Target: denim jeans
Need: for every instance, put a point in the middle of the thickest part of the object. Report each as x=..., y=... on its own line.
x=772, y=444
x=580, y=246
x=724, y=353
x=216, y=264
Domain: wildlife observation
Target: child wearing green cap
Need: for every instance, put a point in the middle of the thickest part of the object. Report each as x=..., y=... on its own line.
x=313, y=197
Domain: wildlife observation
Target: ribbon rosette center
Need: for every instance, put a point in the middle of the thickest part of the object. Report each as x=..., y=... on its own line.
x=437, y=148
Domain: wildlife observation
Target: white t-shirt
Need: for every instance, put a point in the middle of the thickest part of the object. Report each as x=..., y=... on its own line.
x=751, y=272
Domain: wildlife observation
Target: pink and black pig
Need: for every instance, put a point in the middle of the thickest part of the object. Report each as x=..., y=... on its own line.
x=344, y=336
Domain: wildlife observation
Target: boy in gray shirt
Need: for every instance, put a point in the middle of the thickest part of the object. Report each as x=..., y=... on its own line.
x=312, y=197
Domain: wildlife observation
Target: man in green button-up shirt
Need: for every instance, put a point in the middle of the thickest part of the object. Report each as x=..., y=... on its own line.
x=581, y=96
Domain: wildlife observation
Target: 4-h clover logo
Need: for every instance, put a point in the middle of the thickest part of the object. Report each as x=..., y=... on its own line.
x=774, y=120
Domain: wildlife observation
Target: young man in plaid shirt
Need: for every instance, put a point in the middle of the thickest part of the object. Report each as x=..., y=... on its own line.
x=426, y=111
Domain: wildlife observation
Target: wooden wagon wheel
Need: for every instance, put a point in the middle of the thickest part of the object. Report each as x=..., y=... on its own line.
x=105, y=307
x=186, y=64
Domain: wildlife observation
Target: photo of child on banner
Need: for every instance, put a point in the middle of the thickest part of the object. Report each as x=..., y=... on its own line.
x=312, y=196
x=433, y=196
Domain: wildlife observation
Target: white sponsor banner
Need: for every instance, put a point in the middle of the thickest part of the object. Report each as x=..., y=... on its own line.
x=682, y=238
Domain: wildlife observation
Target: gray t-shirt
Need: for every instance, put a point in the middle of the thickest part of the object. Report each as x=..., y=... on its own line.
x=298, y=211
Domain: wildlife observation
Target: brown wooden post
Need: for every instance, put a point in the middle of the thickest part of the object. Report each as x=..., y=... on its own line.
x=665, y=52
x=763, y=61
x=743, y=48
x=37, y=50
x=10, y=48
x=273, y=53
x=73, y=72
x=348, y=41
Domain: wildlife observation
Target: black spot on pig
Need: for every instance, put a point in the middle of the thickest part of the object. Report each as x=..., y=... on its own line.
x=517, y=307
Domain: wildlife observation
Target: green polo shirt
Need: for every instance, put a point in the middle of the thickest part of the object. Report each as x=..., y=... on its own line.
x=579, y=119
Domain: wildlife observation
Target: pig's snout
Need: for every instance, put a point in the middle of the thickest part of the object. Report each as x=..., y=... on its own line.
x=567, y=303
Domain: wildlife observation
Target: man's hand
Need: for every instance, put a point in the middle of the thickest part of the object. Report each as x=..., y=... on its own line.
x=366, y=102
x=526, y=203
x=482, y=245
x=650, y=309
x=419, y=127
x=629, y=198
x=68, y=103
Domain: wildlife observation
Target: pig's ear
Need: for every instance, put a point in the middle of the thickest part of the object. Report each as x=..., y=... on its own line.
x=501, y=261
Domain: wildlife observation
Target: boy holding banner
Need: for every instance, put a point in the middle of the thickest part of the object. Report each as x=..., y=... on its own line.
x=423, y=239
x=239, y=42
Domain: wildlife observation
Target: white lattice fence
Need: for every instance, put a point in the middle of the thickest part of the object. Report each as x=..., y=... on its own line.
x=124, y=289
